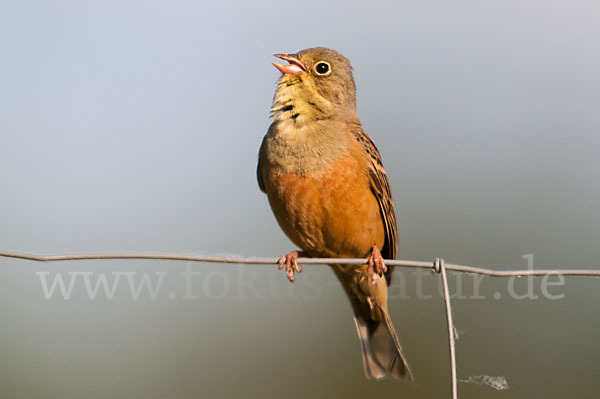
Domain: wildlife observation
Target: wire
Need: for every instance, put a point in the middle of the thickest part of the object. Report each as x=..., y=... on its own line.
x=438, y=266
x=570, y=271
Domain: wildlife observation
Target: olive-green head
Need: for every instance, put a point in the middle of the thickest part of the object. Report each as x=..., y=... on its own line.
x=319, y=77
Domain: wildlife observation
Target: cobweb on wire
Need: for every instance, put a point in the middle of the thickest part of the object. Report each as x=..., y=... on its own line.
x=497, y=382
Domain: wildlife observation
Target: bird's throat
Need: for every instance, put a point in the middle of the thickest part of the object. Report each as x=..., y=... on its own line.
x=305, y=133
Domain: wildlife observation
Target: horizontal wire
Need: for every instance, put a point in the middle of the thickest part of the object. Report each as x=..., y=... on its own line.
x=438, y=266
x=581, y=272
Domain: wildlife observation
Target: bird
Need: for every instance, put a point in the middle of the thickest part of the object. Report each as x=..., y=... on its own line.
x=329, y=192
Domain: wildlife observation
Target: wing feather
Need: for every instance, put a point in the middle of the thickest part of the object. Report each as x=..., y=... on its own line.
x=380, y=187
x=259, y=176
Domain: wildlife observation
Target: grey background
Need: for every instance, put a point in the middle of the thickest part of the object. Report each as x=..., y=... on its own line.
x=134, y=126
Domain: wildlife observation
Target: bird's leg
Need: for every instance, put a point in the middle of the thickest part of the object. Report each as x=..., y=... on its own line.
x=376, y=265
x=290, y=261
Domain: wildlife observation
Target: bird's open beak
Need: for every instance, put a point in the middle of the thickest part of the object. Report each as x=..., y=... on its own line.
x=295, y=67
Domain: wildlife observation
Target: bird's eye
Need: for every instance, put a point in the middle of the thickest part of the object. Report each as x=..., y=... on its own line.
x=323, y=68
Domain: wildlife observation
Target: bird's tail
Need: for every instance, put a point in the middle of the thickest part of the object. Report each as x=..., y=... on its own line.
x=381, y=351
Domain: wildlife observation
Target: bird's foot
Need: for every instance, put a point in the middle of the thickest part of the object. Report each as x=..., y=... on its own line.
x=376, y=266
x=290, y=261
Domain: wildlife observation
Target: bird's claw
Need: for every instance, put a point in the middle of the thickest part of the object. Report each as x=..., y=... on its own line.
x=376, y=266
x=290, y=261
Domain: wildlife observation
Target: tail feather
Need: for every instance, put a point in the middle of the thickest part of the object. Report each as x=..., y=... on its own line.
x=381, y=350
x=379, y=344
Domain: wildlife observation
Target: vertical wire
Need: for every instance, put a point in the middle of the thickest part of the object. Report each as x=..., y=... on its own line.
x=441, y=268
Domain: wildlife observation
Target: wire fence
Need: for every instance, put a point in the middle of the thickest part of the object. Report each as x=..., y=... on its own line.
x=437, y=266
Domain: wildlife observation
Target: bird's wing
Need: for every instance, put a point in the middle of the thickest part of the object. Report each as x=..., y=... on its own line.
x=381, y=189
x=259, y=177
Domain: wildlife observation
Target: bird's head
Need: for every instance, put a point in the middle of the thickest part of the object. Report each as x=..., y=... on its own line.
x=318, y=80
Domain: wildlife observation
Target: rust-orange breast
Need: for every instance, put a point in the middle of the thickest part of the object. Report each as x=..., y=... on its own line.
x=332, y=213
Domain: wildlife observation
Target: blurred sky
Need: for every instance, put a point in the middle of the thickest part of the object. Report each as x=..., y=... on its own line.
x=134, y=126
